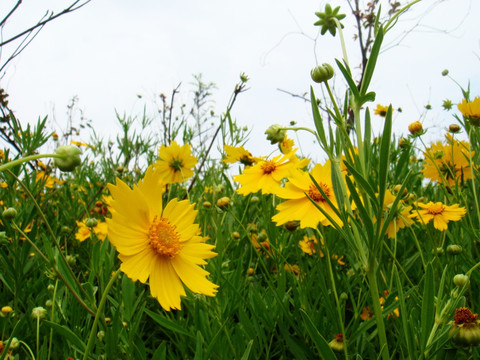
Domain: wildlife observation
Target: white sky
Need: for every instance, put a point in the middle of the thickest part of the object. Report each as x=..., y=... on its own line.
x=111, y=50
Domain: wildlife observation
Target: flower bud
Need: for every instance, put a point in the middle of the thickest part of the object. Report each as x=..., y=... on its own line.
x=460, y=280
x=250, y=271
x=275, y=133
x=254, y=200
x=322, y=73
x=6, y=310
x=50, y=287
x=262, y=236
x=291, y=225
x=39, y=313
x=70, y=157
x=100, y=335
x=71, y=260
x=465, y=331
x=404, y=143
x=14, y=344
x=454, y=128
x=223, y=202
x=445, y=72
x=416, y=128
x=454, y=249
x=207, y=204
x=337, y=343
x=49, y=303
x=10, y=213
x=236, y=235
x=91, y=222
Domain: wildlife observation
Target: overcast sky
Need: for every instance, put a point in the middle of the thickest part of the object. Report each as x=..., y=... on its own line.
x=110, y=51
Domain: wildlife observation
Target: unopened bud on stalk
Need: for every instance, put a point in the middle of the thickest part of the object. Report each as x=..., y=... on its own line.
x=322, y=73
x=10, y=213
x=223, y=202
x=445, y=72
x=416, y=128
x=39, y=313
x=91, y=222
x=454, y=249
x=275, y=133
x=454, y=128
x=460, y=280
x=70, y=157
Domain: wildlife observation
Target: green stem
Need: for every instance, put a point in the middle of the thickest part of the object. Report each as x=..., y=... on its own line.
x=38, y=335
x=342, y=40
x=400, y=12
x=377, y=310
x=28, y=158
x=52, y=319
x=91, y=338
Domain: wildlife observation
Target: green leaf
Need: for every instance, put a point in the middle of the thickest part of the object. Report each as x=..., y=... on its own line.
x=67, y=334
x=428, y=306
x=317, y=118
x=326, y=353
x=347, y=74
x=407, y=331
x=246, y=354
x=198, y=347
x=167, y=323
x=371, y=63
x=384, y=159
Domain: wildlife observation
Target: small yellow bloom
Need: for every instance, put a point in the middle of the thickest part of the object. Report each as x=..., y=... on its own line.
x=471, y=110
x=309, y=245
x=440, y=213
x=83, y=232
x=381, y=110
x=238, y=153
x=3, y=184
x=175, y=163
x=286, y=146
x=7, y=310
x=45, y=179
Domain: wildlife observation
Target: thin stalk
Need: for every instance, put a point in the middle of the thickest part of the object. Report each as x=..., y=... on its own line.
x=28, y=158
x=377, y=310
x=91, y=338
x=52, y=319
x=342, y=40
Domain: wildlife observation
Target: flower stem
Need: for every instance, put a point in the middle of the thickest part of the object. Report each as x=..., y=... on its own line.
x=91, y=338
x=27, y=158
x=377, y=310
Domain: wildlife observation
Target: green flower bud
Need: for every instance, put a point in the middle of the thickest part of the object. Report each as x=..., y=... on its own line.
x=49, y=303
x=91, y=222
x=70, y=157
x=39, y=313
x=10, y=213
x=275, y=133
x=460, y=280
x=254, y=200
x=101, y=335
x=291, y=225
x=445, y=72
x=322, y=73
x=71, y=260
x=447, y=104
x=454, y=249
x=262, y=236
x=14, y=344
x=343, y=296
x=454, y=128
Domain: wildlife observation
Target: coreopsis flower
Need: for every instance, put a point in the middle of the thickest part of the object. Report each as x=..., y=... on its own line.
x=175, y=163
x=440, y=213
x=448, y=164
x=416, y=128
x=381, y=110
x=238, y=153
x=266, y=175
x=299, y=206
x=46, y=180
x=286, y=145
x=465, y=330
x=402, y=217
x=84, y=231
x=159, y=244
x=309, y=245
x=471, y=110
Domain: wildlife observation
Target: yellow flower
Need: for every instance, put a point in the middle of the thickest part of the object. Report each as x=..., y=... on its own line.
x=267, y=175
x=471, y=110
x=159, y=244
x=381, y=110
x=175, y=163
x=448, y=163
x=238, y=153
x=440, y=213
x=402, y=217
x=45, y=179
x=78, y=143
x=83, y=231
x=2, y=154
x=286, y=146
x=3, y=184
x=299, y=206
x=309, y=245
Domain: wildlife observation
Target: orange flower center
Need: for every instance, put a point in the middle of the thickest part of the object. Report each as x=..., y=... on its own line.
x=164, y=238
x=464, y=316
x=436, y=209
x=268, y=167
x=316, y=195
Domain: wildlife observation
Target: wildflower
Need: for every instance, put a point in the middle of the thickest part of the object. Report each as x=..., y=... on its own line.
x=465, y=330
x=159, y=244
x=3, y=184
x=238, y=153
x=381, y=110
x=299, y=190
x=78, y=143
x=471, y=110
x=286, y=145
x=440, y=213
x=46, y=180
x=454, y=128
x=84, y=231
x=266, y=175
x=175, y=163
x=292, y=268
x=454, y=249
x=2, y=154
x=10, y=213
x=223, y=202
x=339, y=259
x=54, y=136
x=450, y=163
x=6, y=310
x=309, y=245
x=402, y=217
x=337, y=343
x=416, y=128
x=207, y=204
